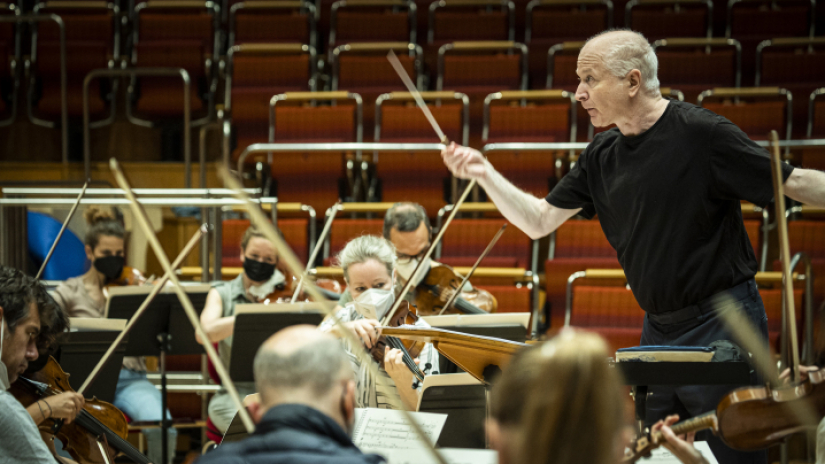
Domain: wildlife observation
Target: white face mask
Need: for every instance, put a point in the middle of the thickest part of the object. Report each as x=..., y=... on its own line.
x=259, y=292
x=4, y=373
x=374, y=303
x=406, y=269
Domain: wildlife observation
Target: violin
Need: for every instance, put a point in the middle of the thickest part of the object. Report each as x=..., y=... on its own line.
x=437, y=287
x=283, y=292
x=98, y=421
x=129, y=276
x=404, y=315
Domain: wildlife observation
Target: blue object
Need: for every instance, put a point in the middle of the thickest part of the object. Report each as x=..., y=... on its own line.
x=69, y=258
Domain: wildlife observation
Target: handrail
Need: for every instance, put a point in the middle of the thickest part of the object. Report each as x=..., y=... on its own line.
x=805, y=209
x=135, y=72
x=760, y=277
x=342, y=147
x=122, y=201
x=337, y=272
x=25, y=191
x=64, y=105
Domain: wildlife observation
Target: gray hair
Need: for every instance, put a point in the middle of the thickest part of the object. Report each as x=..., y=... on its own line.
x=364, y=248
x=406, y=217
x=315, y=367
x=628, y=52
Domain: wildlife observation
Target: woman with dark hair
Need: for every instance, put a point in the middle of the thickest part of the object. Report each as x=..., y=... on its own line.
x=86, y=295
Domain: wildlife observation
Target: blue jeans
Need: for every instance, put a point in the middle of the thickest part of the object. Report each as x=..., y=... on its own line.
x=141, y=401
x=689, y=401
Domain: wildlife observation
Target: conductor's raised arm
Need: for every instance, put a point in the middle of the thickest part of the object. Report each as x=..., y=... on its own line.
x=535, y=216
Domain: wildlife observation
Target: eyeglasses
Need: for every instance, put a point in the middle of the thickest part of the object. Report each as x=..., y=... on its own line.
x=406, y=259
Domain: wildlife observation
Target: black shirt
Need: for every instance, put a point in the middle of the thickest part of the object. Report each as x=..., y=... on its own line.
x=293, y=434
x=668, y=201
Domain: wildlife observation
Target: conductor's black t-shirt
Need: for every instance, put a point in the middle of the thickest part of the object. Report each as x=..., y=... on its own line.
x=668, y=201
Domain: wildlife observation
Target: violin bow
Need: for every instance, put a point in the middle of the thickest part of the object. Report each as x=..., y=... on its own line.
x=284, y=251
x=402, y=73
x=62, y=229
x=149, y=298
x=790, y=340
x=332, y=212
x=140, y=217
x=473, y=270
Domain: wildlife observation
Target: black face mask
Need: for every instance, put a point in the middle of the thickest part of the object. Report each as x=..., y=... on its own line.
x=258, y=271
x=110, y=266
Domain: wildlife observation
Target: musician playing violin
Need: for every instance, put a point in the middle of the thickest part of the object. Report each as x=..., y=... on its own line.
x=408, y=228
x=259, y=279
x=20, y=333
x=370, y=273
x=86, y=296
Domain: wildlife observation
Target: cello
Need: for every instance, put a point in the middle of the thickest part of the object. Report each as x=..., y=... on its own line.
x=98, y=428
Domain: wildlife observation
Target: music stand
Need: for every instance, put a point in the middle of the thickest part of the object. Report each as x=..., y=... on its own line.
x=83, y=347
x=464, y=400
x=163, y=321
x=507, y=326
x=254, y=323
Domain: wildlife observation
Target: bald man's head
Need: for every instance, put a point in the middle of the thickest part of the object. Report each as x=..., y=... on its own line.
x=299, y=364
x=621, y=51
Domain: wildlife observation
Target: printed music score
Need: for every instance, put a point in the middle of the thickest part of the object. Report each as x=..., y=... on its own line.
x=378, y=430
x=451, y=455
x=663, y=456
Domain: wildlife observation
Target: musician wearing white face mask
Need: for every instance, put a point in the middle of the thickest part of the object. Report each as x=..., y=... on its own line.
x=369, y=271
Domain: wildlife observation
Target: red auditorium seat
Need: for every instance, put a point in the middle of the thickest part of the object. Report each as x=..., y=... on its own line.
x=657, y=19
x=294, y=230
x=808, y=235
x=693, y=65
x=272, y=22
x=814, y=157
x=575, y=246
x=179, y=34
x=345, y=229
x=466, y=20
x=9, y=65
x=511, y=298
x=373, y=21
x=363, y=68
x=796, y=64
x=467, y=238
x=317, y=179
x=422, y=177
x=529, y=116
x=550, y=22
x=752, y=21
x=609, y=311
x=257, y=72
x=772, y=299
x=92, y=42
x=756, y=110
x=479, y=69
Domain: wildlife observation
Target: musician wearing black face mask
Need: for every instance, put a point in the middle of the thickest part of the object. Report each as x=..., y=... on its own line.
x=86, y=295
x=260, y=278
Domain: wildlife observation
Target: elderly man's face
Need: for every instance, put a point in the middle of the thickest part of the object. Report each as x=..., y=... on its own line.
x=599, y=91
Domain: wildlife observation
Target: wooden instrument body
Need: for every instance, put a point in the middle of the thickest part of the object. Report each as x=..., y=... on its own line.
x=404, y=315
x=434, y=291
x=129, y=276
x=78, y=440
x=753, y=418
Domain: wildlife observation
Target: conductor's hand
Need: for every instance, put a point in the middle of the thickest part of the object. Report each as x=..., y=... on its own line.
x=681, y=447
x=65, y=406
x=368, y=330
x=465, y=162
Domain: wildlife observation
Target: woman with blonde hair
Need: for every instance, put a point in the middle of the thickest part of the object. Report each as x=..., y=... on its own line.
x=560, y=402
x=368, y=263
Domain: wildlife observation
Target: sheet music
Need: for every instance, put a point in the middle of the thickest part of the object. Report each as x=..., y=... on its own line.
x=663, y=456
x=386, y=429
x=451, y=455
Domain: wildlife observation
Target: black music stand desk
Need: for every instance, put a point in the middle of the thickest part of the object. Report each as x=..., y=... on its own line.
x=84, y=346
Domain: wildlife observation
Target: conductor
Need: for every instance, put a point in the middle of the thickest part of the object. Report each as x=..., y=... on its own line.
x=666, y=184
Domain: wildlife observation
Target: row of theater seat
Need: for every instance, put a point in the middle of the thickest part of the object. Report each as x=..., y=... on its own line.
x=193, y=35
x=576, y=246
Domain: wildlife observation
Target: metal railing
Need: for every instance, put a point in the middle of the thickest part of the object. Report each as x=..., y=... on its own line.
x=157, y=72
